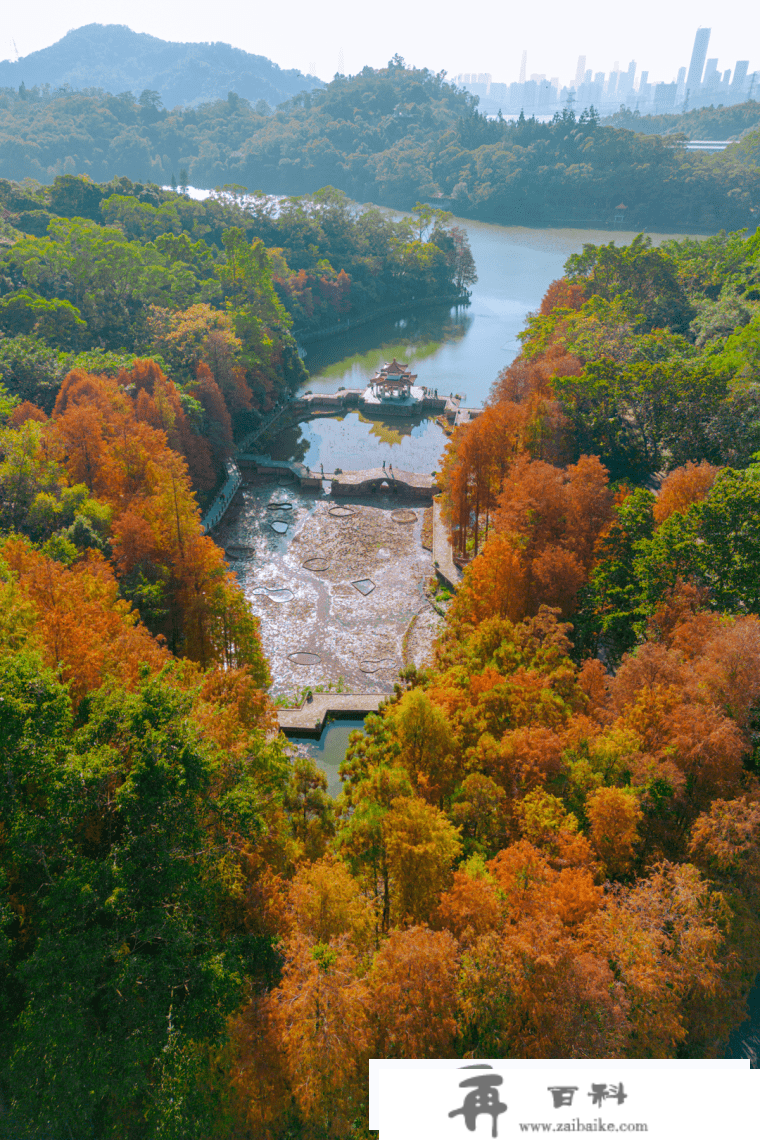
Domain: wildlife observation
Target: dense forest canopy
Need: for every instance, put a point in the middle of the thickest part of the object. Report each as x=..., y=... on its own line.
x=546, y=844
x=392, y=136
x=96, y=276
x=700, y=123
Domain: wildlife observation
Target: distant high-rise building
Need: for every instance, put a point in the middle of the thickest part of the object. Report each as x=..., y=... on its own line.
x=625, y=83
x=710, y=77
x=580, y=70
x=664, y=98
x=645, y=88
x=612, y=82
x=681, y=85
x=698, y=56
x=740, y=75
x=524, y=66
x=587, y=76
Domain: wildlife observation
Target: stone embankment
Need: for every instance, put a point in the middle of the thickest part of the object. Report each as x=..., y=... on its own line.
x=234, y=480
x=222, y=501
x=332, y=403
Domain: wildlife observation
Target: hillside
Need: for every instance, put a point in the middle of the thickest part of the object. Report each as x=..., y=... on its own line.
x=701, y=123
x=114, y=58
x=393, y=136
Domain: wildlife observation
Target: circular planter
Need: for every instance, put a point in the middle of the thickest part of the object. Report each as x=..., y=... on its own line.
x=304, y=657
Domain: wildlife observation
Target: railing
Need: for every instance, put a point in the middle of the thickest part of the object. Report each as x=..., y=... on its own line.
x=215, y=513
x=222, y=501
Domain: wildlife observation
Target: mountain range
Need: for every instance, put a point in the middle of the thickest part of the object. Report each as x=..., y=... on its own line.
x=116, y=59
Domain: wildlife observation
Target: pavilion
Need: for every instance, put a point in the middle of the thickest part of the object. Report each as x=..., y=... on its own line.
x=392, y=381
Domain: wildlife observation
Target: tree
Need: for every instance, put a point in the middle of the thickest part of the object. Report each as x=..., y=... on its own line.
x=412, y=986
x=325, y=903
x=421, y=846
x=320, y=1012
x=682, y=487
x=663, y=938
x=649, y=276
x=614, y=815
x=120, y=981
x=426, y=746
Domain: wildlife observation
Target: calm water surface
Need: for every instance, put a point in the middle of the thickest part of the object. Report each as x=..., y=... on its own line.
x=454, y=350
x=329, y=751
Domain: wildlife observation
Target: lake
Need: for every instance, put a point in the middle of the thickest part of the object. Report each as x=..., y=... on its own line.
x=456, y=350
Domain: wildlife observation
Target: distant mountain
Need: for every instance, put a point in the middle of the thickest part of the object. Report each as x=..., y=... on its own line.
x=116, y=59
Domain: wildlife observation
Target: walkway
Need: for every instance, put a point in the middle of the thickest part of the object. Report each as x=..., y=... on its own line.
x=445, y=566
x=216, y=511
x=224, y=498
x=309, y=719
x=303, y=475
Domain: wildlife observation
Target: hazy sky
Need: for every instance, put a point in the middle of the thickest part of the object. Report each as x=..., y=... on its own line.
x=447, y=35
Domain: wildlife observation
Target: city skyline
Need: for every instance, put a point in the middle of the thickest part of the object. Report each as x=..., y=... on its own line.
x=701, y=83
x=317, y=38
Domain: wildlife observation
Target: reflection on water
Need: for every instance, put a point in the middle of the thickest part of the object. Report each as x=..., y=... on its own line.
x=353, y=443
x=351, y=357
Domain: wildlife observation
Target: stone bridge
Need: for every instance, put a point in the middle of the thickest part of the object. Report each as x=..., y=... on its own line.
x=379, y=480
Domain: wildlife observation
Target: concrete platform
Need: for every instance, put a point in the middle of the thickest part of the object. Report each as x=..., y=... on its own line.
x=309, y=719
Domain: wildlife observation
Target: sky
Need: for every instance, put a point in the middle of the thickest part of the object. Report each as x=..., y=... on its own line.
x=444, y=35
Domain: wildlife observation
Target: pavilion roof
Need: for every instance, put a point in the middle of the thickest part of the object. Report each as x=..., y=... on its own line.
x=393, y=373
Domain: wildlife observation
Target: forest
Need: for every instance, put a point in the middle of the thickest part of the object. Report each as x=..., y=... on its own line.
x=721, y=122
x=216, y=293
x=393, y=136
x=546, y=843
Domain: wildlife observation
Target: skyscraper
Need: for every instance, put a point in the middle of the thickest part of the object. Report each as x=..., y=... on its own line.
x=710, y=78
x=698, y=55
x=579, y=71
x=740, y=75
x=523, y=66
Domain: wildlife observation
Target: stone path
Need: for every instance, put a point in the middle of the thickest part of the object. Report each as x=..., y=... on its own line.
x=309, y=720
x=445, y=566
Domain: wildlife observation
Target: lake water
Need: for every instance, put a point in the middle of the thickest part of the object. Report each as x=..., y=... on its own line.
x=456, y=350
